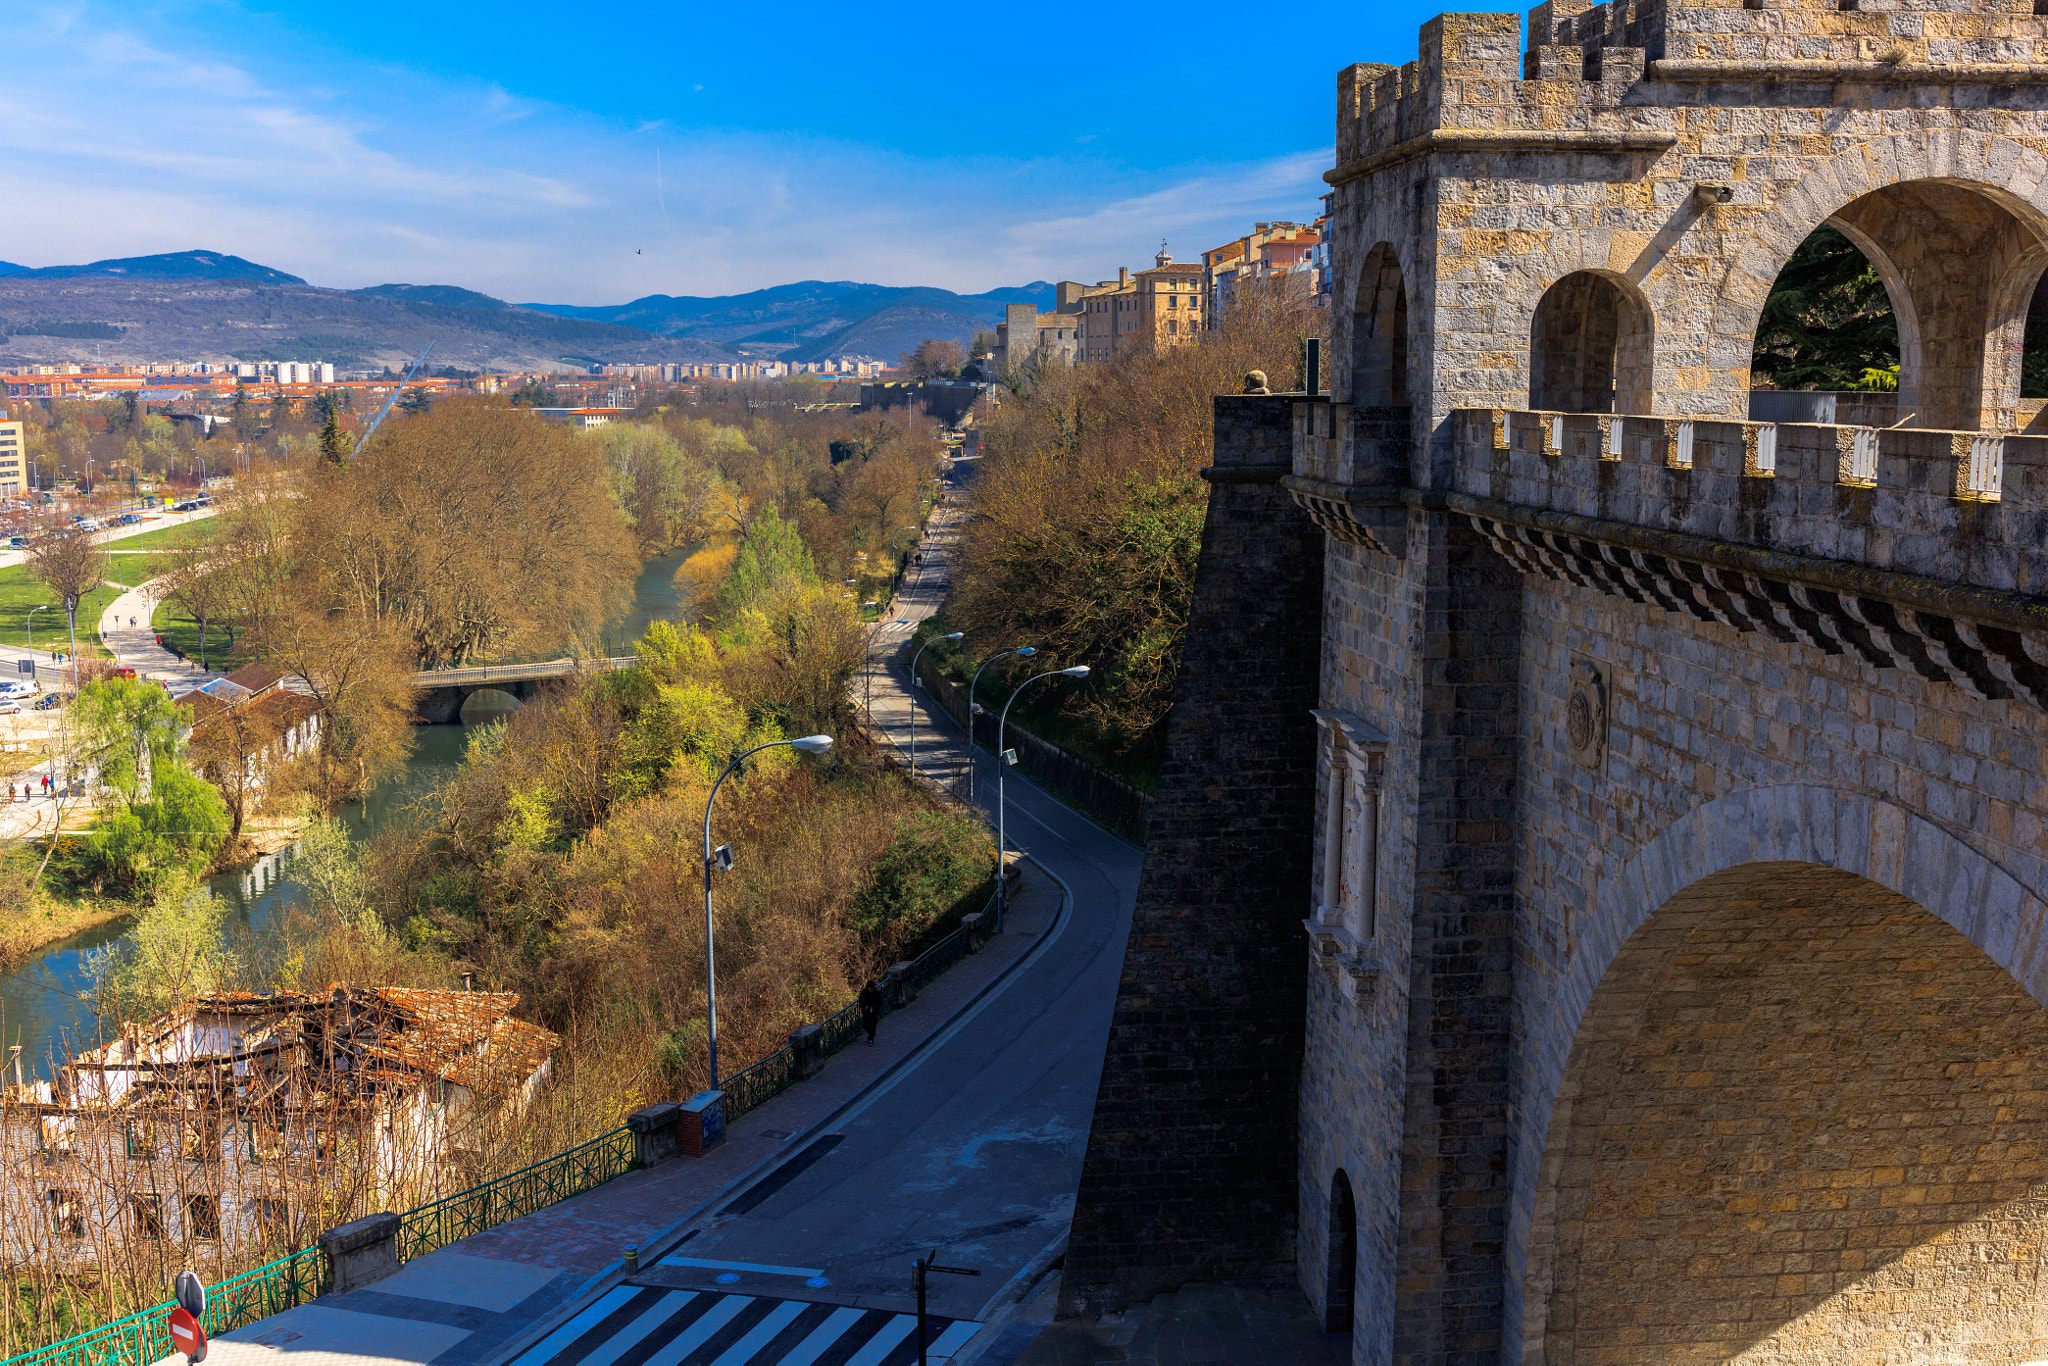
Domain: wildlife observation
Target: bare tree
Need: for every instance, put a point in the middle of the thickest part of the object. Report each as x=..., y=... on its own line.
x=71, y=564
x=199, y=581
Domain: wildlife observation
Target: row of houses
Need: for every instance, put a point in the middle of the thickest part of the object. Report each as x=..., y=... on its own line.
x=1170, y=304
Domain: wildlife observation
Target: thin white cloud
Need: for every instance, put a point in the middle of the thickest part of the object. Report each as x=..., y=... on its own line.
x=383, y=174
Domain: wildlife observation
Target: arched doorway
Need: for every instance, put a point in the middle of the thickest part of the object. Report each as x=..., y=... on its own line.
x=1802, y=1120
x=1379, y=333
x=1341, y=1273
x=1590, y=347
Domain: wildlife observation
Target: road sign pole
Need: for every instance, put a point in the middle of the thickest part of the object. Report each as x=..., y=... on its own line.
x=919, y=1271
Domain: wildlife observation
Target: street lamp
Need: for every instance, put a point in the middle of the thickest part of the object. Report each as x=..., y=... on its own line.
x=809, y=744
x=974, y=708
x=915, y=684
x=46, y=607
x=1078, y=671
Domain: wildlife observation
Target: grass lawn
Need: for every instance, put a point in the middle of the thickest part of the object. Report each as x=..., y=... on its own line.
x=167, y=538
x=133, y=570
x=182, y=633
x=19, y=594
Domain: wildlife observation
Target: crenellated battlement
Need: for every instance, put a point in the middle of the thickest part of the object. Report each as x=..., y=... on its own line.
x=1583, y=63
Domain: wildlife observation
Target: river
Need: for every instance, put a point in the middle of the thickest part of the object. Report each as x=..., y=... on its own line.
x=42, y=1005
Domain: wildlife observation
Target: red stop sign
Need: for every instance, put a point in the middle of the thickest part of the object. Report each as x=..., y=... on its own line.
x=187, y=1336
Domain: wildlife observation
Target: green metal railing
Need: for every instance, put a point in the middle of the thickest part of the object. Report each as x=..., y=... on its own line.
x=584, y=1167
x=144, y=1337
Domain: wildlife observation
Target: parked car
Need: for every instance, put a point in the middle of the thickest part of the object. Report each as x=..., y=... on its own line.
x=8, y=708
x=20, y=687
x=50, y=703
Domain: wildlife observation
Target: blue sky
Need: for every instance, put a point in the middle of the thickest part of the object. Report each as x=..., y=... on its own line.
x=593, y=154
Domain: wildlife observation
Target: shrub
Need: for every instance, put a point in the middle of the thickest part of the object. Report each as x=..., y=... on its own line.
x=936, y=860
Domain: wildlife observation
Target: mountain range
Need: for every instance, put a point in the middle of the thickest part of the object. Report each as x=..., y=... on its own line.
x=205, y=305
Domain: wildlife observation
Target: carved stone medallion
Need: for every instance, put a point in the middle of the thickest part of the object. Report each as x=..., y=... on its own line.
x=1585, y=717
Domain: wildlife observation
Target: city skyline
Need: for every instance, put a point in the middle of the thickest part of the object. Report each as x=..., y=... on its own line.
x=378, y=144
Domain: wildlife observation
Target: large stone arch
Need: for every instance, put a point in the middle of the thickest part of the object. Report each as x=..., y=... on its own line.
x=1878, y=188
x=1854, y=833
x=1803, y=1121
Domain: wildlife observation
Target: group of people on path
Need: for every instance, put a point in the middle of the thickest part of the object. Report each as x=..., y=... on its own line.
x=27, y=791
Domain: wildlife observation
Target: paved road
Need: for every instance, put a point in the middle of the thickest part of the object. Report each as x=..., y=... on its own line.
x=977, y=1151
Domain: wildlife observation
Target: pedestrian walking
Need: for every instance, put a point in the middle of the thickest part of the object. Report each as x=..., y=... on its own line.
x=870, y=1009
x=46, y=784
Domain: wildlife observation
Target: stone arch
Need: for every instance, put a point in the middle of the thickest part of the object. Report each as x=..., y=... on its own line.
x=1816, y=1107
x=1340, y=1256
x=1853, y=833
x=1379, y=332
x=1591, y=344
x=1986, y=198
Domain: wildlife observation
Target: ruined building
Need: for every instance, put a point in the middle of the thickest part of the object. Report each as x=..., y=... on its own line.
x=1594, y=905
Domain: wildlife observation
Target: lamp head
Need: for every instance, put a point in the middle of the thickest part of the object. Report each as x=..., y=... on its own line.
x=812, y=744
x=1026, y=651
x=957, y=635
x=1078, y=671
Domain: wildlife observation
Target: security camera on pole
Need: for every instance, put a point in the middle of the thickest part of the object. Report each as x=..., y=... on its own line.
x=1005, y=758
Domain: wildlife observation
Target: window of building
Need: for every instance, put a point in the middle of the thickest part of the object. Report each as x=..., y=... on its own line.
x=266, y=1141
x=272, y=1217
x=67, y=1213
x=142, y=1140
x=202, y=1218
x=148, y=1213
x=201, y=1141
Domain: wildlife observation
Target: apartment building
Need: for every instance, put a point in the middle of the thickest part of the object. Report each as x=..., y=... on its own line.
x=1269, y=249
x=13, y=460
x=1162, y=306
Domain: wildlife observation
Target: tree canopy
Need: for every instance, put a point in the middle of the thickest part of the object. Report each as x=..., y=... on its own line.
x=1828, y=320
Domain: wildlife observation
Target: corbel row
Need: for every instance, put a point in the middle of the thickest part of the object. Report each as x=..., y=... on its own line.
x=1983, y=660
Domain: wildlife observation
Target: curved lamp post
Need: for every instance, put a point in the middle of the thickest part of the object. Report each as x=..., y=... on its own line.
x=1002, y=838
x=809, y=744
x=915, y=684
x=974, y=707
x=46, y=607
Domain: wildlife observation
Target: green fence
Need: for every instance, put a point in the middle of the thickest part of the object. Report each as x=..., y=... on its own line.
x=583, y=1167
x=145, y=1337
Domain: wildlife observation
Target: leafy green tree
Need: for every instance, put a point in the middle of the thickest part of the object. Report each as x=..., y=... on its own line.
x=175, y=949
x=128, y=728
x=534, y=394
x=160, y=821
x=772, y=556
x=1827, y=319
x=416, y=403
x=936, y=861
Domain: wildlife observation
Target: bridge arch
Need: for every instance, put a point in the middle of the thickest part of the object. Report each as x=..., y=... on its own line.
x=1769, y=920
x=1957, y=226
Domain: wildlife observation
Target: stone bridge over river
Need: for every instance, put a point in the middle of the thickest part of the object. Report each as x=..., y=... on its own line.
x=443, y=692
x=1593, y=907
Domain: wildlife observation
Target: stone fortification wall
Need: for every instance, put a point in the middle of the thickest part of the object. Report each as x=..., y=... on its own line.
x=1190, y=1167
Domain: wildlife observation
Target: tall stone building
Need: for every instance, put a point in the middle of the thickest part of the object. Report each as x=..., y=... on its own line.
x=1594, y=908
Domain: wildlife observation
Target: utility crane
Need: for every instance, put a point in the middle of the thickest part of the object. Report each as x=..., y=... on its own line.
x=382, y=412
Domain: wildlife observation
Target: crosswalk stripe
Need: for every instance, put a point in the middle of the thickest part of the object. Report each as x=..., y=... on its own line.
x=627, y=1338
x=811, y=1348
x=694, y=1336
x=954, y=1338
x=547, y=1347
x=764, y=1332
x=893, y=1332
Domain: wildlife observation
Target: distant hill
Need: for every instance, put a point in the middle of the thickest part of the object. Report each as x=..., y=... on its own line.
x=221, y=307
x=183, y=265
x=812, y=319
x=434, y=294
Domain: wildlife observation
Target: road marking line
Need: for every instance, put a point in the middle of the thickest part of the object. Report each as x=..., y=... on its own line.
x=575, y=1328
x=764, y=1332
x=893, y=1332
x=619, y=1343
x=798, y=1271
x=822, y=1337
x=693, y=1337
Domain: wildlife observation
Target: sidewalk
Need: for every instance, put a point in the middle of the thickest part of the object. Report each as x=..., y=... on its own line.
x=482, y=1298
x=134, y=647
